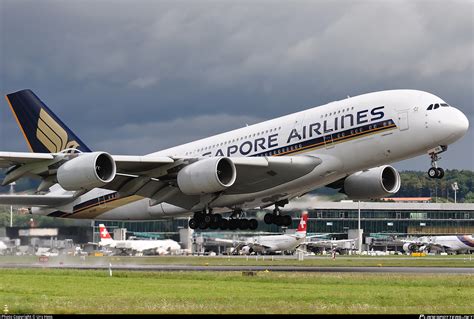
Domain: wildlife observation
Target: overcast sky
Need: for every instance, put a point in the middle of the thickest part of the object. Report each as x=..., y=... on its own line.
x=133, y=77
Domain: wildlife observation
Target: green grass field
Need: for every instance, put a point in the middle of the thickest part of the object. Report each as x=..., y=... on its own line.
x=340, y=261
x=86, y=291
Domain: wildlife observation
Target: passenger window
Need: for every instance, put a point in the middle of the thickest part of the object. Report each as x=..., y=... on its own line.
x=430, y=107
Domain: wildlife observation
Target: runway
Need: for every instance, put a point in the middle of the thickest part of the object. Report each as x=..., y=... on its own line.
x=407, y=270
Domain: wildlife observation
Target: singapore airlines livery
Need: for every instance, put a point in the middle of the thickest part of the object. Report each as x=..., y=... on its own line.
x=345, y=144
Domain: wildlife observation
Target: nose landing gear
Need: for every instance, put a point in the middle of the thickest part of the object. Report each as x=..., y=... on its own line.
x=435, y=171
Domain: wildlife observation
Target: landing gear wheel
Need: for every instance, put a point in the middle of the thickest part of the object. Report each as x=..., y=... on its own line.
x=198, y=216
x=436, y=172
x=287, y=220
x=440, y=173
x=253, y=224
x=278, y=220
x=224, y=224
x=208, y=218
x=193, y=223
x=244, y=224
x=233, y=224
x=433, y=172
x=269, y=218
x=216, y=218
x=214, y=225
x=202, y=225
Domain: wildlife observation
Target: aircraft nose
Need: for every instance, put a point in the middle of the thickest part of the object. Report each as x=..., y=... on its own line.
x=461, y=125
x=458, y=124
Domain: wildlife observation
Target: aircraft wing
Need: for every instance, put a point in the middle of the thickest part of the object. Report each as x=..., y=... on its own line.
x=258, y=173
x=155, y=177
x=8, y=159
x=35, y=200
x=128, y=164
x=240, y=243
x=323, y=242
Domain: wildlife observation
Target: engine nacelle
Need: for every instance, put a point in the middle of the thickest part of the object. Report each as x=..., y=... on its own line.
x=207, y=176
x=246, y=250
x=86, y=171
x=409, y=247
x=372, y=184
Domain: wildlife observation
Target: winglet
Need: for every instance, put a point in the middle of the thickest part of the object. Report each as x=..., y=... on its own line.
x=43, y=131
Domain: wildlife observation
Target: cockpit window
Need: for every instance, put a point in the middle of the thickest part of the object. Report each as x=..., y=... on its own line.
x=436, y=106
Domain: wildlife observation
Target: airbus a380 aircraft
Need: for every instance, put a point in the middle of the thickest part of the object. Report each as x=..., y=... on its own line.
x=345, y=144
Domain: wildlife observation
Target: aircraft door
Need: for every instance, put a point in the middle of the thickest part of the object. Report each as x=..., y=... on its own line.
x=328, y=140
x=102, y=202
x=403, y=120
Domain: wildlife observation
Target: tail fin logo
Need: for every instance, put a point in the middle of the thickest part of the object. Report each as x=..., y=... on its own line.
x=104, y=234
x=303, y=222
x=52, y=135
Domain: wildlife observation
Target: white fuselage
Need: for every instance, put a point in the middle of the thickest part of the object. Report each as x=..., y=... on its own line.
x=158, y=246
x=349, y=135
x=453, y=243
x=276, y=242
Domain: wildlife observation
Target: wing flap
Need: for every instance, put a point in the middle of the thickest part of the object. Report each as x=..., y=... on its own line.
x=135, y=164
x=254, y=176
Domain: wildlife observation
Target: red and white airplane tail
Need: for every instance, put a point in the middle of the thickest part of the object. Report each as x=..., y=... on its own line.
x=105, y=238
x=303, y=225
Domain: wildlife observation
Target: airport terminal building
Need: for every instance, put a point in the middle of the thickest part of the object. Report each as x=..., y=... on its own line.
x=404, y=218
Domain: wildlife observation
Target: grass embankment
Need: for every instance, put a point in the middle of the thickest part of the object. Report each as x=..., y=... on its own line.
x=87, y=291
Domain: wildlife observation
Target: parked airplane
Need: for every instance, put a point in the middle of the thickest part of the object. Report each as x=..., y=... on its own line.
x=272, y=243
x=463, y=243
x=159, y=247
x=3, y=247
x=345, y=144
x=331, y=243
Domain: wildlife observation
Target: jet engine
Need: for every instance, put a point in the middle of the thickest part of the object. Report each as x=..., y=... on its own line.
x=86, y=171
x=409, y=247
x=246, y=250
x=206, y=176
x=373, y=183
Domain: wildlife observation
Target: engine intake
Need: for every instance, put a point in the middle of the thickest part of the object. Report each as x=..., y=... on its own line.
x=373, y=183
x=207, y=176
x=86, y=171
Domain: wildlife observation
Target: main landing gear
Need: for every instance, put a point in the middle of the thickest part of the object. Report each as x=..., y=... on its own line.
x=276, y=217
x=204, y=220
x=435, y=171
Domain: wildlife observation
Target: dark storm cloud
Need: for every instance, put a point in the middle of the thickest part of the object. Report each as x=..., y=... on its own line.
x=134, y=76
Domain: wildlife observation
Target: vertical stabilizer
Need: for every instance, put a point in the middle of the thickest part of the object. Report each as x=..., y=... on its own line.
x=44, y=132
x=303, y=225
x=105, y=238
